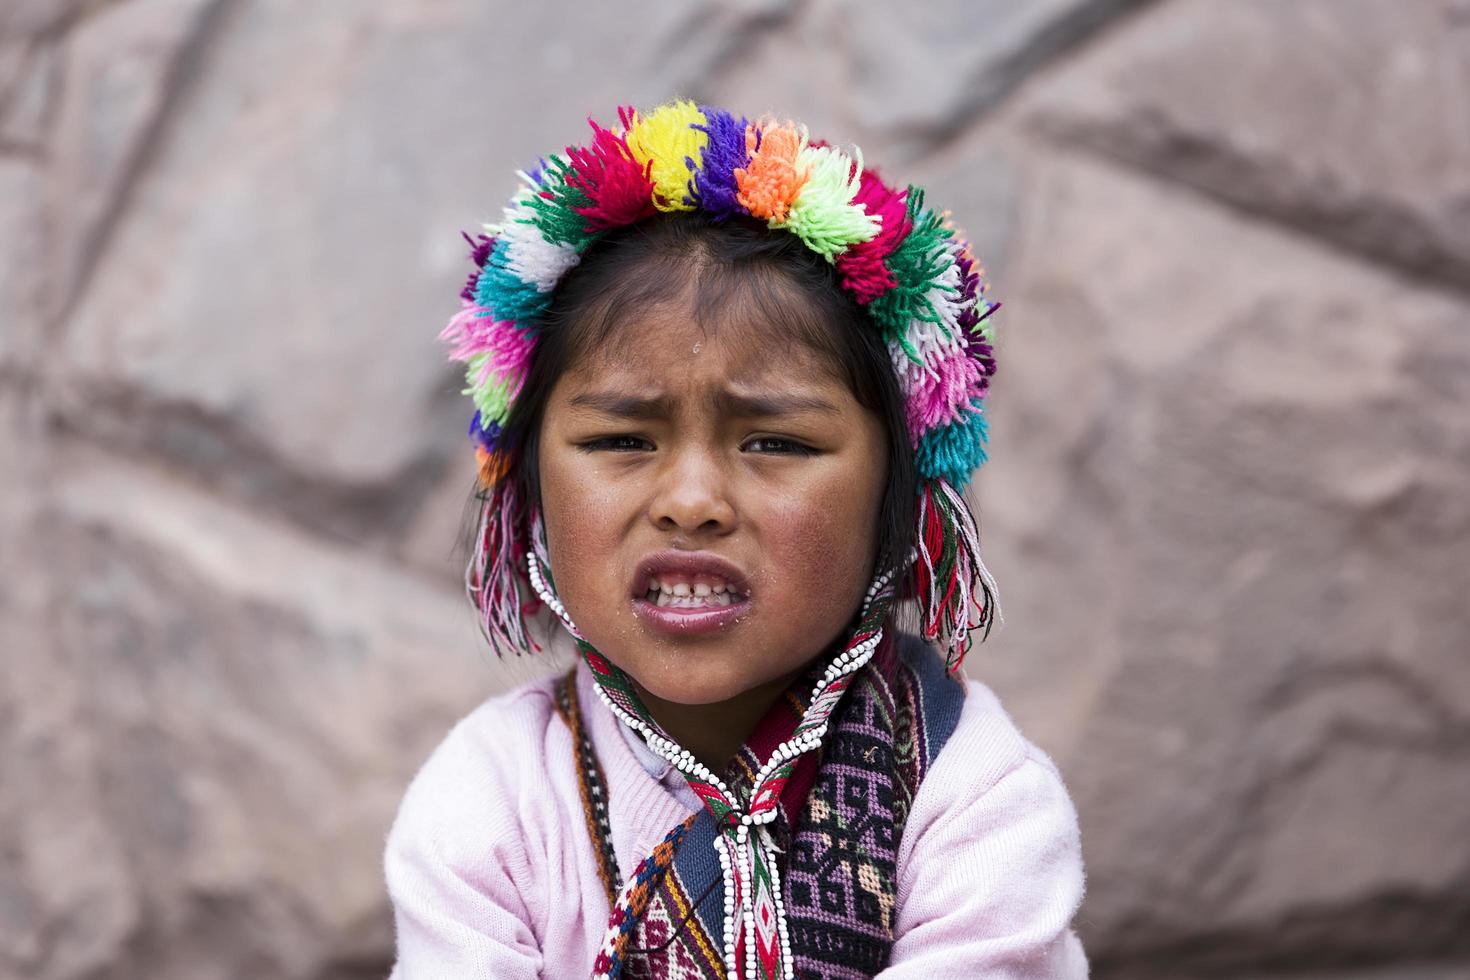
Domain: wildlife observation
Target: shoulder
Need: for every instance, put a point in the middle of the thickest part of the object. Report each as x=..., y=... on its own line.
x=990, y=767
x=973, y=731
x=990, y=862
x=488, y=771
x=467, y=875
x=986, y=769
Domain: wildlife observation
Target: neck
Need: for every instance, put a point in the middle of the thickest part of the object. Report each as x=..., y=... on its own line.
x=715, y=732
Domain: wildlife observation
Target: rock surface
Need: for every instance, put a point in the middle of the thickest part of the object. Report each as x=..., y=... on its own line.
x=1228, y=504
x=1343, y=119
x=1232, y=515
x=216, y=736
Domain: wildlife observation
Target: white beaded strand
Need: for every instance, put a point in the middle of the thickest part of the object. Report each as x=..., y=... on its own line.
x=783, y=934
x=656, y=739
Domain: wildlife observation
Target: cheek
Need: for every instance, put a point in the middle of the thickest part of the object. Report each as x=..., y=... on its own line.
x=585, y=521
x=821, y=543
x=572, y=498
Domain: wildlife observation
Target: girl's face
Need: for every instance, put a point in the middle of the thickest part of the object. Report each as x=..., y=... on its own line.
x=711, y=499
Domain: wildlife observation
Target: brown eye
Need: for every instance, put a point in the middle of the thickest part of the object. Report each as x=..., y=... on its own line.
x=774, y=445
x=616, y=444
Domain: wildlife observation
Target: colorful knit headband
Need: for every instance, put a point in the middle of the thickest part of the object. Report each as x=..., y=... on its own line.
x=904, y=263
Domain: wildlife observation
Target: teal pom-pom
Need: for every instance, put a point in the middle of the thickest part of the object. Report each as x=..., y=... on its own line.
x=509, y=296
x=952, y=452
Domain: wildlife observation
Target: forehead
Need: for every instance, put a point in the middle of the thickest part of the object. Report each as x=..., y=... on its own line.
x=665, y=347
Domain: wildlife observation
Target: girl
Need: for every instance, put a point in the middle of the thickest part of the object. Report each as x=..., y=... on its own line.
x=728, y=387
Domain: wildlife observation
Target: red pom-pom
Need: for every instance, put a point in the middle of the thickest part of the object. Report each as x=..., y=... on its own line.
x=619, y=189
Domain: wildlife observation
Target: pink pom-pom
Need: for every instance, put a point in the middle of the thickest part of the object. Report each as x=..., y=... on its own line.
x=863, y=273
x=953, y=384
x=474, y=331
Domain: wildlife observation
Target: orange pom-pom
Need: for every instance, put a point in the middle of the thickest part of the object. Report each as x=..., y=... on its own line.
x=493, y=467
x=770, y=183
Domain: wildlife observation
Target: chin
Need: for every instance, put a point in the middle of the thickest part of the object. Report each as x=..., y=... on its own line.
x=689, y=688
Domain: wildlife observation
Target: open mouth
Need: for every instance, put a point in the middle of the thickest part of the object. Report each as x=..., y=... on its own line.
x=674, y=591
x=685, y=592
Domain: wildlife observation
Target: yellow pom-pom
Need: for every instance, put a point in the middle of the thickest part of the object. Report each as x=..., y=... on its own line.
x=666, y=136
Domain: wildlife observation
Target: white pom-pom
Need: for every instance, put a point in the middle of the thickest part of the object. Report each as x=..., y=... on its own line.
x=533, y=259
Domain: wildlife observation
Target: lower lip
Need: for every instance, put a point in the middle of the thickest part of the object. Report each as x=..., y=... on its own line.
x=678, y=621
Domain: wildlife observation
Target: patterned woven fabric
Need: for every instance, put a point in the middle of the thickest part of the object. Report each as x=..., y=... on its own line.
x=839, y=853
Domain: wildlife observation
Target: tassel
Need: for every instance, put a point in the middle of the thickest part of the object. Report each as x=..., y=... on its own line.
x=948, y=573
x=491, y=579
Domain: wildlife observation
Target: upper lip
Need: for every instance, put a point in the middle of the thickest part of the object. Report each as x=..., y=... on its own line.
x=688, y=563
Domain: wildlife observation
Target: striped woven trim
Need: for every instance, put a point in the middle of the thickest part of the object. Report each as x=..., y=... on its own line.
x=632, y=902
x=591, y=786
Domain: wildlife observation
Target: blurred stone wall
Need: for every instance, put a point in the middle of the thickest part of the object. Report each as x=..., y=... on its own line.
x=1228, y=506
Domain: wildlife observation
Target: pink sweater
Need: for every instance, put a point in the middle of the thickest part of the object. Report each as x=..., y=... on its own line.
x=492, y=874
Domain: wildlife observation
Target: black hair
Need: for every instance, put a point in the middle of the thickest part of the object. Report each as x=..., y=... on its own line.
x=740, y=271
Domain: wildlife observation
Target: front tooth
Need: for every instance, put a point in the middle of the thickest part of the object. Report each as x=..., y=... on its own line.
x=681, y=588
x=700, y=589
x=719, y=588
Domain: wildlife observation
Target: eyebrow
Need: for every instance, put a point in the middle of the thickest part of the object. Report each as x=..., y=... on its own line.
x=644, y=407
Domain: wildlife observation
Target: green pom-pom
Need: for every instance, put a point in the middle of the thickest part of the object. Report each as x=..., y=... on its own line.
x=917, y=263
x=823, y=214
x=492, y=397
x=555, y=204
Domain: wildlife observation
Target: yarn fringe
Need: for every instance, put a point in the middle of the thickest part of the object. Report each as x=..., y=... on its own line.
x=492, y=578
x=955, y=591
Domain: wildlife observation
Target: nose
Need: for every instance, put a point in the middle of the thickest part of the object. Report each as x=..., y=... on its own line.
x=693, y=495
